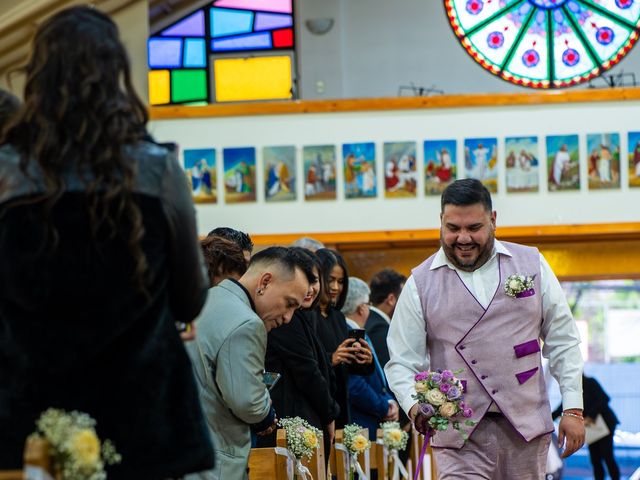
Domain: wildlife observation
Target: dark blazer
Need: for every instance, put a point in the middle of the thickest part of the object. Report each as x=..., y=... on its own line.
x=377, y=328
x=369, y=397
x=596, y=402
x=77, y=334
x=308, y=383
x=332, y=331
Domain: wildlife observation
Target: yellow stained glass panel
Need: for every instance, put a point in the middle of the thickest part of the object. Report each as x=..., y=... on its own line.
x=257, y=78
x=159, y=86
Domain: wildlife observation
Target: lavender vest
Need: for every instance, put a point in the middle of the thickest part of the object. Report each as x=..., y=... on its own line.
x=498, y=348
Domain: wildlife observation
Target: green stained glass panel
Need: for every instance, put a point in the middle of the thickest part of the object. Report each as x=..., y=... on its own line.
x=188, y=85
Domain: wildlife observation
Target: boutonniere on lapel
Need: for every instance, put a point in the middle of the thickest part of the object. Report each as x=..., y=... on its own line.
x=519, y=286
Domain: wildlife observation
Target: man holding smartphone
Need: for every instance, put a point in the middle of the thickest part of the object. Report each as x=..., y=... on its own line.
x=369, y=395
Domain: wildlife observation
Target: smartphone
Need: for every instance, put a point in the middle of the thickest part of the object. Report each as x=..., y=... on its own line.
x=270, y=379
x=357, y=333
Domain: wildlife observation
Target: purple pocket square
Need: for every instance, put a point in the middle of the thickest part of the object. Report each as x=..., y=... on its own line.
x=524, y=376
x=527, y=348
x=526, y=293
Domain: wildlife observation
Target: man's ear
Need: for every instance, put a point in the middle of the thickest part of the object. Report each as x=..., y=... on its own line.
x=391, y=299
x=494, y=216
x=265, y=279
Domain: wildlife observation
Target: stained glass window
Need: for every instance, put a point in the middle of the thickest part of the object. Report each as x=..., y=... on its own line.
x=191, y=62
x=546, y=43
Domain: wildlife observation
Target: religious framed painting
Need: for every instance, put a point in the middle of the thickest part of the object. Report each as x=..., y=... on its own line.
x=603, y=160
x=200, y=167
x=359, y=170
x=440, y=165
x=634, y=159
x=481, y=161
x=400, y=169
x=522, y=164
x=239, y=174
x=563, y=162
x=279, y=173
x=319, y=172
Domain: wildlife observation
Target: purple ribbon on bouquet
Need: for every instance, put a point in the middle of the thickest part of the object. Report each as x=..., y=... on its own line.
x=425, y=445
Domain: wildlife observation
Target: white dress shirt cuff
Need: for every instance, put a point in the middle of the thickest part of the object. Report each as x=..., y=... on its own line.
x=572, y=400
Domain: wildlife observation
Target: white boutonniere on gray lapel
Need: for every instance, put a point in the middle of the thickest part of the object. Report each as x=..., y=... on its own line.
x=519, y=286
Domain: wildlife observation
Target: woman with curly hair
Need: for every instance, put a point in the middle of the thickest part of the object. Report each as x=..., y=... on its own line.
x=100, y=259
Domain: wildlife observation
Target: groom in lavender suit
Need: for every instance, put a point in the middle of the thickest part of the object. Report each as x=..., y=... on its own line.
x=457, y=311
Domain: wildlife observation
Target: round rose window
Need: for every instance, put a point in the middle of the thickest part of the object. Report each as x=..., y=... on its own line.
x=546, y=43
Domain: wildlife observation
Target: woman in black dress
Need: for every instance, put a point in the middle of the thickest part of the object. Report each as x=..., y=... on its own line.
x=100, y=259
x=346, y=355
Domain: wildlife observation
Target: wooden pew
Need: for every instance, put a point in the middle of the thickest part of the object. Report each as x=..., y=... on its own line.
x=264, y=463
x=336, y=460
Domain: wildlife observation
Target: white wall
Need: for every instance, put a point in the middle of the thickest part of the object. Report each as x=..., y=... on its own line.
x=415, y=125
x=385, y=44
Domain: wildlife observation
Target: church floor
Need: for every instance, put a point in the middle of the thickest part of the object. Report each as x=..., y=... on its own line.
x=578, y=466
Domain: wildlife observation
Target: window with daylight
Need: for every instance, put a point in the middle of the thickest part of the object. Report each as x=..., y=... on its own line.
x=546, y=43
x=231, y=50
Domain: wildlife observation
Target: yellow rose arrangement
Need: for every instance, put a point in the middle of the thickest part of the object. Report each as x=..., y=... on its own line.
x=355, y=443
x=302, y=438
x=393, y=437
x=74, y=446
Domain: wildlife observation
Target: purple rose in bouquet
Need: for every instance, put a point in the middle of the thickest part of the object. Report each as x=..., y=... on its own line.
x=441, y=403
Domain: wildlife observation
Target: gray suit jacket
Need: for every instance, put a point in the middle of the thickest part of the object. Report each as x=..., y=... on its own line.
x=228, y=359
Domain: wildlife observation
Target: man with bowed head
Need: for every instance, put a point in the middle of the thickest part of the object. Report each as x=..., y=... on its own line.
x=229, y=351
x=461, y=310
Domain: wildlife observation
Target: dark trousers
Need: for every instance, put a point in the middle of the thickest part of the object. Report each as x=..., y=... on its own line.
x=602, y=451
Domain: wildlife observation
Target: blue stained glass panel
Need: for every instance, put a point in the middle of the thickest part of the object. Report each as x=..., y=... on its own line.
x=226, y=22
x=165, y=53
x=192, y=26
x=194, y=52
x=271, y=21
x=254, y=41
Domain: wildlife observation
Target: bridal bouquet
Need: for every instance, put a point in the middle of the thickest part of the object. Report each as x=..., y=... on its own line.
x=74, y=446
x=441, y=398
x=302, y=441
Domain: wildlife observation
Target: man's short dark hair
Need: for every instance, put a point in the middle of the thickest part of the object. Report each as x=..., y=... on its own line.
x=287, y=258
x=468, y=191
x=383, y=283
x=243, y=240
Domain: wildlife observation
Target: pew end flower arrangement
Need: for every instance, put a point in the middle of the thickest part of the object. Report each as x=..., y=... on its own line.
x=75, y=451
x=302, y=442
x=355, y=443
x=394, y=440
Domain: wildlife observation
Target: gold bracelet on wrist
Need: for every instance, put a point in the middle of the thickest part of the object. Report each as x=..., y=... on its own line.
x=569, y=414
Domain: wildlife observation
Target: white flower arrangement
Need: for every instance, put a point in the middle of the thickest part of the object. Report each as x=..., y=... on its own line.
x=74, y=446
x=517, y=285
x=302, y=438
x=393, y=437
x=355, y=441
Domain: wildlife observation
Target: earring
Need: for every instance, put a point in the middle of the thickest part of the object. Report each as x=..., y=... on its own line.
x=259, y=291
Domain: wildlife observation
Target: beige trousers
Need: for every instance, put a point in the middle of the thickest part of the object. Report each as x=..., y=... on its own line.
x=495, y=451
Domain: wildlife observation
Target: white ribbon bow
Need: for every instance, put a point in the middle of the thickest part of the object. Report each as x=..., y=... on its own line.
x=293, y=461
x=351, y=460
x=36, y=473
x=398, y=467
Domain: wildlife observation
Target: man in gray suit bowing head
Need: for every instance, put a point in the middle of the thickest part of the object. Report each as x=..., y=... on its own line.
x=228, y=354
